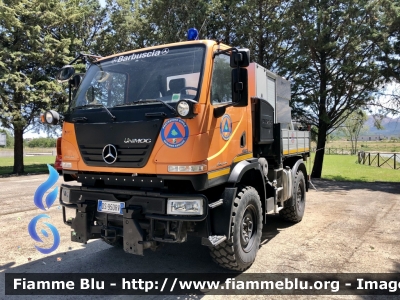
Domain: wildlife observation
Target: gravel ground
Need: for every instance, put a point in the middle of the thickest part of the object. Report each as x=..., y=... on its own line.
x=347, y=228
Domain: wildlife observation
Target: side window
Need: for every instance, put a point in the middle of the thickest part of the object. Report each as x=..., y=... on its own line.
x=221, y=91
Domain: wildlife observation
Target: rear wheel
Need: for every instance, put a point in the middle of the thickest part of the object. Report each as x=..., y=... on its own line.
x=295, y=213
x=239, y=251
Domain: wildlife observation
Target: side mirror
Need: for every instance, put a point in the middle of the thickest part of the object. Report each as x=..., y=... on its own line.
x=239, y=87
x=75, y=81
x=219, y=111
x=240, y=59
x=65, y=74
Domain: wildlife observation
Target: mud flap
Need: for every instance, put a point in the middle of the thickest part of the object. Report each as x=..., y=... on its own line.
x=133, y=233
x=221, y=215
x=80, y=225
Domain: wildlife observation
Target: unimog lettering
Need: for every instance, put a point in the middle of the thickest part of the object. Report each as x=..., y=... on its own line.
x=137, y=141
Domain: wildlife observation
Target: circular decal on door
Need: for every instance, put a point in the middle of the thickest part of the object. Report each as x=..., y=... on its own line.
x=174, y=133
x=225, y=127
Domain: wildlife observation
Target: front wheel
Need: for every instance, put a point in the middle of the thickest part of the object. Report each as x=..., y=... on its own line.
x=239, y=251
x=295, y=213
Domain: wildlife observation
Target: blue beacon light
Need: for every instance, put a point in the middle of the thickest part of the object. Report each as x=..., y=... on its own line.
x=192, y=34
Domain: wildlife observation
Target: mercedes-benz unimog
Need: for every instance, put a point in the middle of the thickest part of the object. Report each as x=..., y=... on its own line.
x=176, y=140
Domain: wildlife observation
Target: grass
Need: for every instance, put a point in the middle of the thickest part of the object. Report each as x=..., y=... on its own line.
x=346, y=168
x=33, y=164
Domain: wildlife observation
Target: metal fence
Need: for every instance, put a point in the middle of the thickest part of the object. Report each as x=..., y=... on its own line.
x=29, y=152
x=381, y=160
x=337, y=151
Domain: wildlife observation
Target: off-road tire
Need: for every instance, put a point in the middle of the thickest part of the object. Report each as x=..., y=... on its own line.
x=239, y=251
x=295, y=213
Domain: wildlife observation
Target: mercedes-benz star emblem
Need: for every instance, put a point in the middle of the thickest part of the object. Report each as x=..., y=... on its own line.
x=110, y=154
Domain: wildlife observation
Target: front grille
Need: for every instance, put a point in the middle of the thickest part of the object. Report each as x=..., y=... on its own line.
x=92, y=138
x=127, y=157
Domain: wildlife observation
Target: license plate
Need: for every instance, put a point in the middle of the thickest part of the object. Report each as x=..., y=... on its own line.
x=110, y=207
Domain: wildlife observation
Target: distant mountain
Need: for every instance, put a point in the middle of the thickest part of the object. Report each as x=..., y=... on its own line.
x=391, y=127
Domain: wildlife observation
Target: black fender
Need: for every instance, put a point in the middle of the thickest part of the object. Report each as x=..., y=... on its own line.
x=299, y=165
x=247, y=172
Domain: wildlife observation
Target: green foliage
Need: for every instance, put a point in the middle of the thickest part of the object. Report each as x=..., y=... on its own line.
x=37, y=38
x=42, y=143
x=390, y=58
x=31, y=53
x=334, y=69
x=332, y=64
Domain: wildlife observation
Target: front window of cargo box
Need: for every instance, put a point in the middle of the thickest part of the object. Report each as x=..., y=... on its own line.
x=166, y=74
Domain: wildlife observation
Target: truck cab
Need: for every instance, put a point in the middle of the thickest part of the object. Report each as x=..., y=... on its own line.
x=177, y=140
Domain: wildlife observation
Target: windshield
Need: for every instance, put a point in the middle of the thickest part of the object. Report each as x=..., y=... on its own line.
x=167, y=74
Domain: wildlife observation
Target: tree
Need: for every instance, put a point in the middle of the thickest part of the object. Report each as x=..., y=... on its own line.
x=333, y=63
x=30, y=54
x=263, y=27
x=42, y=143
x=35, y=41
x=353, y=126
x=390, y=59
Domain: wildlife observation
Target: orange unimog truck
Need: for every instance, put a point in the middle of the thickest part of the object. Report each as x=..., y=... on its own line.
x=180, y=139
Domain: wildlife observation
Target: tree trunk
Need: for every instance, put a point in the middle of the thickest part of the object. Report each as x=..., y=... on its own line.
x=323, y=119
x=355, y=146
x=18, y=151
x=319, y=155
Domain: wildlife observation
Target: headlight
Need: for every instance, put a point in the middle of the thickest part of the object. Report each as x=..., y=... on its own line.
x=183, y=108
x=51, y=117
x=65, y=195
x=185, y=207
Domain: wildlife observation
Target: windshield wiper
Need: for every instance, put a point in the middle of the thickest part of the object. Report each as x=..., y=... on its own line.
x=141, y=101
x=98, y=104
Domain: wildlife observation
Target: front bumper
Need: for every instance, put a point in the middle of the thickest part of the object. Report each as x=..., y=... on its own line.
x=144, y=221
